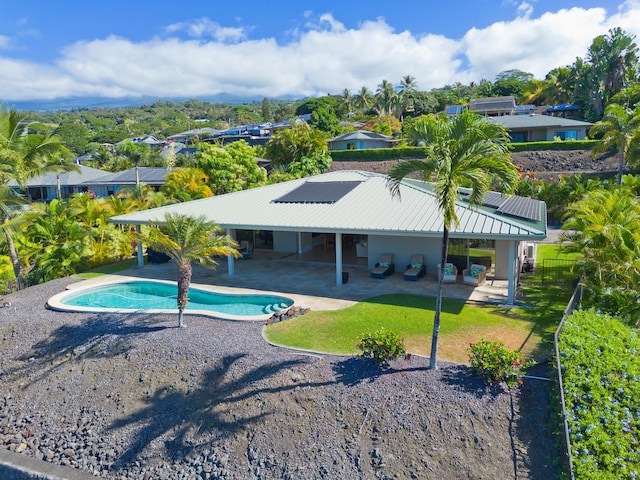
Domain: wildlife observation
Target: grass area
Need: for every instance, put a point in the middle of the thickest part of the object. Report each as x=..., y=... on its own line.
x=107, y=269
x=530, y=327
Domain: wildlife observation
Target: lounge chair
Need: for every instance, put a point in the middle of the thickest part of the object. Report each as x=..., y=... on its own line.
x=384, y=267
x=450, y=273
x=246, y=249
x=474, y=275
x=416, y=268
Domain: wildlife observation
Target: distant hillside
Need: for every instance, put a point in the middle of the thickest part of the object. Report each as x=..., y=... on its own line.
x=75, y=103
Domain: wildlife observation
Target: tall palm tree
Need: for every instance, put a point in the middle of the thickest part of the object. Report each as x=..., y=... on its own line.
x=185, y=240
x=619, y=129
x=385, y=98
x=464, y=151
x=364, y=98
x=408, y=84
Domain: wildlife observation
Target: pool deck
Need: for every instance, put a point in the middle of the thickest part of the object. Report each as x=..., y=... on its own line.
x=309, y=281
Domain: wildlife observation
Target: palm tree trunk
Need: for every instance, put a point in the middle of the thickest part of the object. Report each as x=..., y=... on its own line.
x=433, y=362
x=623, y=154
x=13, y=256
x=184, y=279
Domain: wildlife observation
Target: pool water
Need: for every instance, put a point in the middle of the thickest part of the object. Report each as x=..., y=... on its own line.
x=146, y=295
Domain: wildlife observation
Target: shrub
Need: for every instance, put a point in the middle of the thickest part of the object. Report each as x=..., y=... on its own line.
x=382, y=346
x=495, y=363
x=601, y=379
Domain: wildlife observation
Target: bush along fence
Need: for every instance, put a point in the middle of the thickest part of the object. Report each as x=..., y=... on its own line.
x=601, y=373
x=599, y=379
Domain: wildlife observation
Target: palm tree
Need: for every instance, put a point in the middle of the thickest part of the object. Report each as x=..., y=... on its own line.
x=620, y=129
x=364, y=98
x=385, y=98
x=22, y=157
x=464, y=151
x=408, y=84
x=188, y=239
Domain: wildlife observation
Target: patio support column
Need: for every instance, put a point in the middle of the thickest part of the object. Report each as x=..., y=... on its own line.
x=230, y=258
x=139, y=248
x=299, y=243
x=511, y=295
x=338, y=259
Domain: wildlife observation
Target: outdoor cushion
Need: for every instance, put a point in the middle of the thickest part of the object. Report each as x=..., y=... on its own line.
x=475, y=270
x=448, y=269
x=383, y=264
x=416, y=265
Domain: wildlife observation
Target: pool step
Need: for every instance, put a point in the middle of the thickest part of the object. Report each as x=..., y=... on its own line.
x=275, y=307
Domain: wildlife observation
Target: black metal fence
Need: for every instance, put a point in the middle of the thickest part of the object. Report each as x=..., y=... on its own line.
x=559, y=271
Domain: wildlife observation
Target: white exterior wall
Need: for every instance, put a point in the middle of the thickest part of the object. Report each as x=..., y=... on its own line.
x=285, y=241
x=403, y=247
x=502, y=260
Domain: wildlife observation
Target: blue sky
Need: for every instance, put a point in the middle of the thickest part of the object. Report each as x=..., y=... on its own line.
x=190, y=48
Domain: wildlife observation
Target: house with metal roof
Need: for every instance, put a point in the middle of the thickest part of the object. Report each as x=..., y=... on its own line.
x=359, y=205
x=493, y=105
x=541, y=128
x=361, y=139
x=60, y=185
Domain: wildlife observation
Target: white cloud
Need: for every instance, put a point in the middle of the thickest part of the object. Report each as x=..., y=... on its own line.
x=323, y=58
x=204, y=27
x=5, y=42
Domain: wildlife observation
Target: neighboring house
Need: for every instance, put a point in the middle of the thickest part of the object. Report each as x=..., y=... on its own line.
x=361, y=139
x=110, y=183
x=350, y=205
x=191, y=135
x=493, y=106
x=541, y=128
x=62, y=185
x=148, y=139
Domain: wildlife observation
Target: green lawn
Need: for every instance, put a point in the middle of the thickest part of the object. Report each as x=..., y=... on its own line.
x=106, y=269
x=530, y=327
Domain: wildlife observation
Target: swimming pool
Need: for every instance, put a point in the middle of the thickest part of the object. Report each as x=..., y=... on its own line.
x=160, y=296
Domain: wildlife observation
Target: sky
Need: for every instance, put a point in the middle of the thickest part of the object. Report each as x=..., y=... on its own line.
x=297, y=48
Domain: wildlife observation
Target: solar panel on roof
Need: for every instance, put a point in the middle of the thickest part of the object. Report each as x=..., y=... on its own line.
x=522, y=207
x=318, y=192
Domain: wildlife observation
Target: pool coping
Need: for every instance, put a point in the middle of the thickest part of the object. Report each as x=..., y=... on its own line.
x=307, y=301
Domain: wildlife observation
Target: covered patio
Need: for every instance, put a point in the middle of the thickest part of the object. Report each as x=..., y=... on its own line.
x=314, y=225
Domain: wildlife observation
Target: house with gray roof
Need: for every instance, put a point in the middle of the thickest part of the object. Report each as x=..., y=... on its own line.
x=541, y=128
x=356, y=204
x=491, y=106
x=60, y=185
x=361, y=139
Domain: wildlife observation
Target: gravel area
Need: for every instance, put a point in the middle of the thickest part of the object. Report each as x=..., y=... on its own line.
x=135, y=397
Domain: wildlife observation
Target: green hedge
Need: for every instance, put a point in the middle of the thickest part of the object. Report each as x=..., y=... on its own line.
x=559, y=145
x=600, y=358
x=381, y=154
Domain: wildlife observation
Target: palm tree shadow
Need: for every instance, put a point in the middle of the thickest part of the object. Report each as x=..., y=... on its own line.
x=218, y=408
x=354, y=371
x=100, y=336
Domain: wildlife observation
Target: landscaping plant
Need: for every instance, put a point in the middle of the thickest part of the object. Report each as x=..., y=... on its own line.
x=601, y=384
x=495, y=363
x=383, y=346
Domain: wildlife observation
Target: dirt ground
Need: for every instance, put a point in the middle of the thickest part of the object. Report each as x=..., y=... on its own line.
x=135, y=397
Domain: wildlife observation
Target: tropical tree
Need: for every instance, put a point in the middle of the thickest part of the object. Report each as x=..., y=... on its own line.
x=603, y=228
x=185, y=240
x=185, y=184
x=463, y=151
x=22, y=157
x=364, y=98
x=291, y=144
x=386, y=98
x=619, y=129
x=408, y=84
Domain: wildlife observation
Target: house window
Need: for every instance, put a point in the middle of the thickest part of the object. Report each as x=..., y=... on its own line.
x=567, y=135
x=351, y=146
x=518, y=137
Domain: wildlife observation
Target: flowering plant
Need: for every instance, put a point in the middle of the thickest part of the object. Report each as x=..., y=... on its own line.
x=495, y=363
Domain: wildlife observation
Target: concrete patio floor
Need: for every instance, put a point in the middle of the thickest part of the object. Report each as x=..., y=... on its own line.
x=311, y=279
